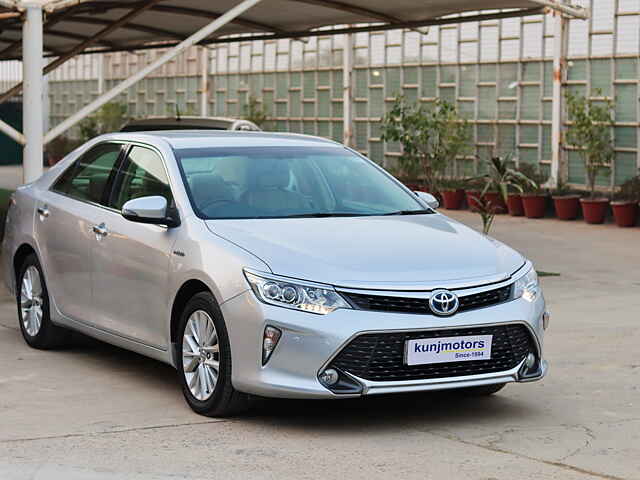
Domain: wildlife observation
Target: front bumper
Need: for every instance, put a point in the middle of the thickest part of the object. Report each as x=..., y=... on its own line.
x=309, y=342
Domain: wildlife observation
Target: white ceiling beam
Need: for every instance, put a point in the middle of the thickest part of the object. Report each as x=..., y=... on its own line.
x=194, y=39
x=568, y=9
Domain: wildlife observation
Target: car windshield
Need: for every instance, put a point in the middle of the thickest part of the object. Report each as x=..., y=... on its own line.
x=281, y=182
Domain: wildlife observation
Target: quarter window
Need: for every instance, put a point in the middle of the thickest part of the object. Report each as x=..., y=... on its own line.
x=143, y=175
x=88, y=177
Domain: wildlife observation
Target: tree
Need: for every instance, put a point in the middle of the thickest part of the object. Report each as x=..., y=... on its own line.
x=108, y=118
x=255, y=112
x=590, y=133
x=431, y=138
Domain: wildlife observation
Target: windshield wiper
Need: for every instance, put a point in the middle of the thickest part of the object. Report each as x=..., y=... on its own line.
x=409, y=212
x=325, y=215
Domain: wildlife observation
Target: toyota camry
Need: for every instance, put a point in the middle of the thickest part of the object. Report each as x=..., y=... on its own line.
x=276, y=265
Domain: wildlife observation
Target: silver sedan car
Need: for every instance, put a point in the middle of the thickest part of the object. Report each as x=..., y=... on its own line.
x=267, y=264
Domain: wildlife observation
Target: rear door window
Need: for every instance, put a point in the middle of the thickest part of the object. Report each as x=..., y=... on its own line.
x=88, y=178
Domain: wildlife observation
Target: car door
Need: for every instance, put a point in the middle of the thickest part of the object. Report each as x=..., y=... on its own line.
x=67, y=213
x=131, y=260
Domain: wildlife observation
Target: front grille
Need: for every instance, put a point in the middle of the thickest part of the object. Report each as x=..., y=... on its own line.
x=380, y=356
x=420, y=305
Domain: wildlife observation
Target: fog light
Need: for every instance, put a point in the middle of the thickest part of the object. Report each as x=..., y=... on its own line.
x=269, y=341
x=546, y=316
x=329, y=377
x=530, y=361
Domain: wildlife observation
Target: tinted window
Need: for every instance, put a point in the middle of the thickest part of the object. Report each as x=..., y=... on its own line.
x=88, y=177
x=264, y=182
x=142, y=175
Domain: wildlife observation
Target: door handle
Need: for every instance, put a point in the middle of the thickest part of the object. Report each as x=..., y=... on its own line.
x=100, y=230
x=43, y=212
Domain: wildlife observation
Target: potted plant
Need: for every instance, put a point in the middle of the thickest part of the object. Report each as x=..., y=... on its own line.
x=566, y=203
x=515, y=208
x=625, y=205
x=500, y=179
x=534, y=196
x=431, y=138
x=590, y=133
x=487, y=213
x=452, y=192
x=473, y=192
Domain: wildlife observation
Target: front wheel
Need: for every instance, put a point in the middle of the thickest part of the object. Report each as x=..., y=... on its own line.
x=204, y=360
x=33, y=308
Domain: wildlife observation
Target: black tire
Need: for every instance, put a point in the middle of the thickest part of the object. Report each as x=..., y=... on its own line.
x=49, y=336
x=225, y=400
x=483, y=390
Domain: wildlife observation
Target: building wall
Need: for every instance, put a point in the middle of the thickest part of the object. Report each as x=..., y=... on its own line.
x=499, y=74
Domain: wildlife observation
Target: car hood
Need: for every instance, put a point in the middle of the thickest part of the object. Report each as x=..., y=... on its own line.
x=415, y=252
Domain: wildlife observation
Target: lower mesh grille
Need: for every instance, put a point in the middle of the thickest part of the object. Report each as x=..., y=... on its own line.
x=380, y=356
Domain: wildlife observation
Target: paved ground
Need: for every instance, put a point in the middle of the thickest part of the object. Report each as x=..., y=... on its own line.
x=97, y=412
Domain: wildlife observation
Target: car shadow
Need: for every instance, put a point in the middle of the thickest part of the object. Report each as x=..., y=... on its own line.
x=433, y=410
x=427, y=410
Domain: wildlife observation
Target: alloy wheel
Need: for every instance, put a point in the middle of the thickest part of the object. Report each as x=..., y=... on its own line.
x=31, y=300
x=201, y=355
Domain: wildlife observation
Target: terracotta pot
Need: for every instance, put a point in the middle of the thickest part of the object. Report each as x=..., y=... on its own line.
x=514, y=205
x=452, y=199
x=534, y=205
x=594, y=210
x=472, y=203
x=625, y=213
x=567, y=206
x=497, y=202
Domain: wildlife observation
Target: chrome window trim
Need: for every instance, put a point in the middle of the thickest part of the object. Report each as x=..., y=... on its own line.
x=127, y=144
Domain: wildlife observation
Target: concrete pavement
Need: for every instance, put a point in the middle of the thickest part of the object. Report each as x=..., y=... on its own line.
x=99, y=413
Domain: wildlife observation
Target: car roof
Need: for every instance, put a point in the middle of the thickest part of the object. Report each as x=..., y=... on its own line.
x=179, y=139
x=185, y=122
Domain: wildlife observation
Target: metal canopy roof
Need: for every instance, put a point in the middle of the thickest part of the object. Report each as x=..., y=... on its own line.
x=109, y=25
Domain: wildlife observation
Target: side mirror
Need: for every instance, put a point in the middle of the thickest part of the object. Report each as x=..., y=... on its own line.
x=151, y=210
x=429, y=199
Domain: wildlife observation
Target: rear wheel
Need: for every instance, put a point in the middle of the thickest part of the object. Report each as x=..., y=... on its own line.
x=204, y=357
x=33, y=308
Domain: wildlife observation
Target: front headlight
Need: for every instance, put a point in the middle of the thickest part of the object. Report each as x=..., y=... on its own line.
x=309, y=297
x=527, y=286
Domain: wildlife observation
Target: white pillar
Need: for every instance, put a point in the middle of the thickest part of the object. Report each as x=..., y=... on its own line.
x=558, y=170
x=32, y=96
x=204, y=81
x=100, y=60
x=347, y=90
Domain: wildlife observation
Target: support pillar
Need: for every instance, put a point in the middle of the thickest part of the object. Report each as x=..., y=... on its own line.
x=347, y=90
x=32, y=97
x=558, y=165
x=204, y=81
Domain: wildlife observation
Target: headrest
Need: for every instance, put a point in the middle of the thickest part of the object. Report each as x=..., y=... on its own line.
x=274, y=175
